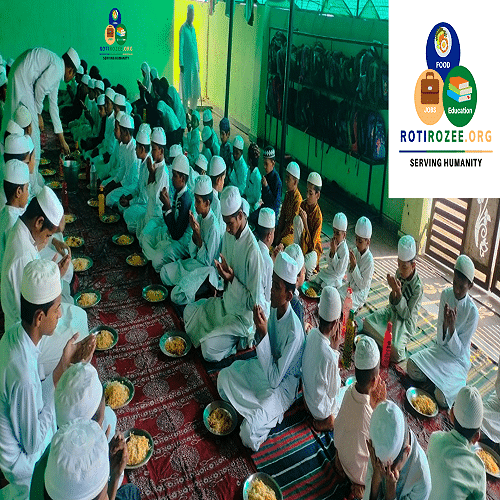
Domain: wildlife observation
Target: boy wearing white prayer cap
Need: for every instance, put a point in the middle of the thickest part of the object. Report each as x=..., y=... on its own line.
x=224, y=324
x=261, y=389
x=352, y=424
x=217, y=173
x=107, y=169
x=211, y=145
x=295, y=252
x=26, y=433
x=238, y=176
x=23, y=118
x=337, y=258
x=398, y=467
x=170, y=240
x=199, y=168
x=456, y=470
x=253, y=189
x=197, y=273
x=290, y=206
x=307, y=225
x=320, y=363
x=405, y=299
x=446, y=363
x=264, y=232
x=361, y=266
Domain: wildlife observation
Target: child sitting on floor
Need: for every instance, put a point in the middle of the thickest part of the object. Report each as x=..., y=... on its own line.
x=295, y=252
x=239, y=174
x=265, y=236
x=320, y=362
x=193, y=138
x=226, y=151
x=217, y=173
x=210, y=147
x=360, y=269
x=208, y=123
x=253, y=189
x=291, y=205
x=404, y=303
x=199, y=168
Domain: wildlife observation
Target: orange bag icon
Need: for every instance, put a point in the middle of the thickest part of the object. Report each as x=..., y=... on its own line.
x=429, y=89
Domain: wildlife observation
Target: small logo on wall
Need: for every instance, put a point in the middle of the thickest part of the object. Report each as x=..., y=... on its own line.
x=109, y=35
x=115, y=35
x=115, y=18
x=121, y=34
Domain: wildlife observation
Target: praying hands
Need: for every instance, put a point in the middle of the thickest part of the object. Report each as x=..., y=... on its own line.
x=224, y=270
x=450, y=317
x=395, y=285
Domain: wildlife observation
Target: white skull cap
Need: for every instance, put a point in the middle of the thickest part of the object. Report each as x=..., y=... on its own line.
x=217, y=166
x=330, y=305
x=14, y=128
x=315, y=179
x=367, y=355
x=175, y=150
x=16, y=172
x=238, y=142
x=201, y=162
x=181, y=164
x=22, y=116
x=16, y=144
x=109, y=93
x=206, y=133
x=50, y=205
x=207, y=115
x=286, y=268
x=119, y=100
x=203, y=185
x=468, y=408
x=295, y=252
x=126, y=121
x=73, y=55
x=387, y=431
x=293, y=169
x=340, y=221
x=158, y=136
x=101, y=100
x=363, y=228
x=41, y=282
x=85, y=79
x=464, y=265
x=407, y=249
x=230, y=200
x=267, y=218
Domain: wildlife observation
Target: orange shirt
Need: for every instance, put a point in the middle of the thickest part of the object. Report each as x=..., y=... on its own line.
x=312, y=241
x=289, y=209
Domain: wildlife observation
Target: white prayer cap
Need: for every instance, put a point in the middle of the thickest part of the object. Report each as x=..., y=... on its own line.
x=119, y=100
x=50, y=205
x=295, y=252
x=16, y=144
x=464, y=265
x=286, y=268
x=101, y=100
x=245, y=206
x=181, y=164
x=3, y=78
x=16, y=172
x=118, y=116
x=78, y=462
x=110, y=93
x=73, y=55
x=99, y=84
x=175, y=150
x=196, y=114
x=31, y=145
x=293, y=169
x=269, y=152
x=207, y=115
x=340, y=221
x=406, y=248
x=203, y=185
x=468, y=408
x=128, y=108
x=78, y=394
x=91, y=83
x=387, y=430
x=14, y=128
x=363, y=228
x=143, y=137
x=80, y=70
x=315, y=179
x=158, y=136
x=330, y=305
x=85, y=79
x=230, y=200
x=41, y=282
x=145, y=127
x=191, y=7
x=126, y=121
x=22, y=116
x=206, y=133
x=367, y=354
x=217, y=166
x=238, y=142
x=201, y=162
x=267, y=218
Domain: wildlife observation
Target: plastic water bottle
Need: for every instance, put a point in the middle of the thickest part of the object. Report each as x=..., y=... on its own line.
x=350, y=332
x=386, y=350
x=346, y=308
x=101, y=201
x=64, y=196
x=93, y=181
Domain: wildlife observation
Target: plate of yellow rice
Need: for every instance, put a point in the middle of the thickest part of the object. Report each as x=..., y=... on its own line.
x=140, y=447
x=106, y=337
x=118, y=392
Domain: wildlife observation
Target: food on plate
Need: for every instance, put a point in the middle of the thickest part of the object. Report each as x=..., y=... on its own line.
x=104, y=339
x=74, y=241
x=489, y=462
x=116, y=394
x=424, y=404
x=220, y=420
x=80, y=263
x=87, y=299
x=155, y=295
x=260, y=491
x=175, y=346
x=124, y=240
x=135, y=259
x=311, y=292
x=138, y=447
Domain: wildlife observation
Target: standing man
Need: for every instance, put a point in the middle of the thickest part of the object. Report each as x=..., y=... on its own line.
x=190, y=64
x=35, y=74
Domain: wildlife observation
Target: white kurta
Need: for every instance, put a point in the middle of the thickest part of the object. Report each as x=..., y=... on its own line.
x=253, y=191
x=8, y=217
x=263, y=388
x=169, y=120
x=178, y=107
x=447, y=362
x=187, y=275
x=128, y=173
x=190, y=86
x=267, y=275
x=215, y=206
x=321, y=376
x=138, y=204
x=336, y=267
x=239, y=174
x=231, y=315
x=27, y=414
x=491, y=416
x=35, y=74
x=193, y=144
x=360, y=279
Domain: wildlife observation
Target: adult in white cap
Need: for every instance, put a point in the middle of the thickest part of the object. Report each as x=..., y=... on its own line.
x=217, y=172
x=264, y=232
x=320, y=362
x=36, y=74
x=337, y=259
x=405, y=299
x=239, y=173
x=456, y=469
x=27, y=416
x=290, y=207
x=168, y=241
x=223, y=324
x=125, y=181
x=307, y=225
x=295, y=252
x=447, y=362
x=211, y=145
x=263, y=388
x=189, y=63
x=398, y=466
x=352, y=424
x=197, y=273
x=361, y=266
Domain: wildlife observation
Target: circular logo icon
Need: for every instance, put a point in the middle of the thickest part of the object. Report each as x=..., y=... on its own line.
x=115, y=17
x=459, y=96
x=115, y=14
x=443, y=49
x=109, y=34
x=428, y=101
x=121, y=34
